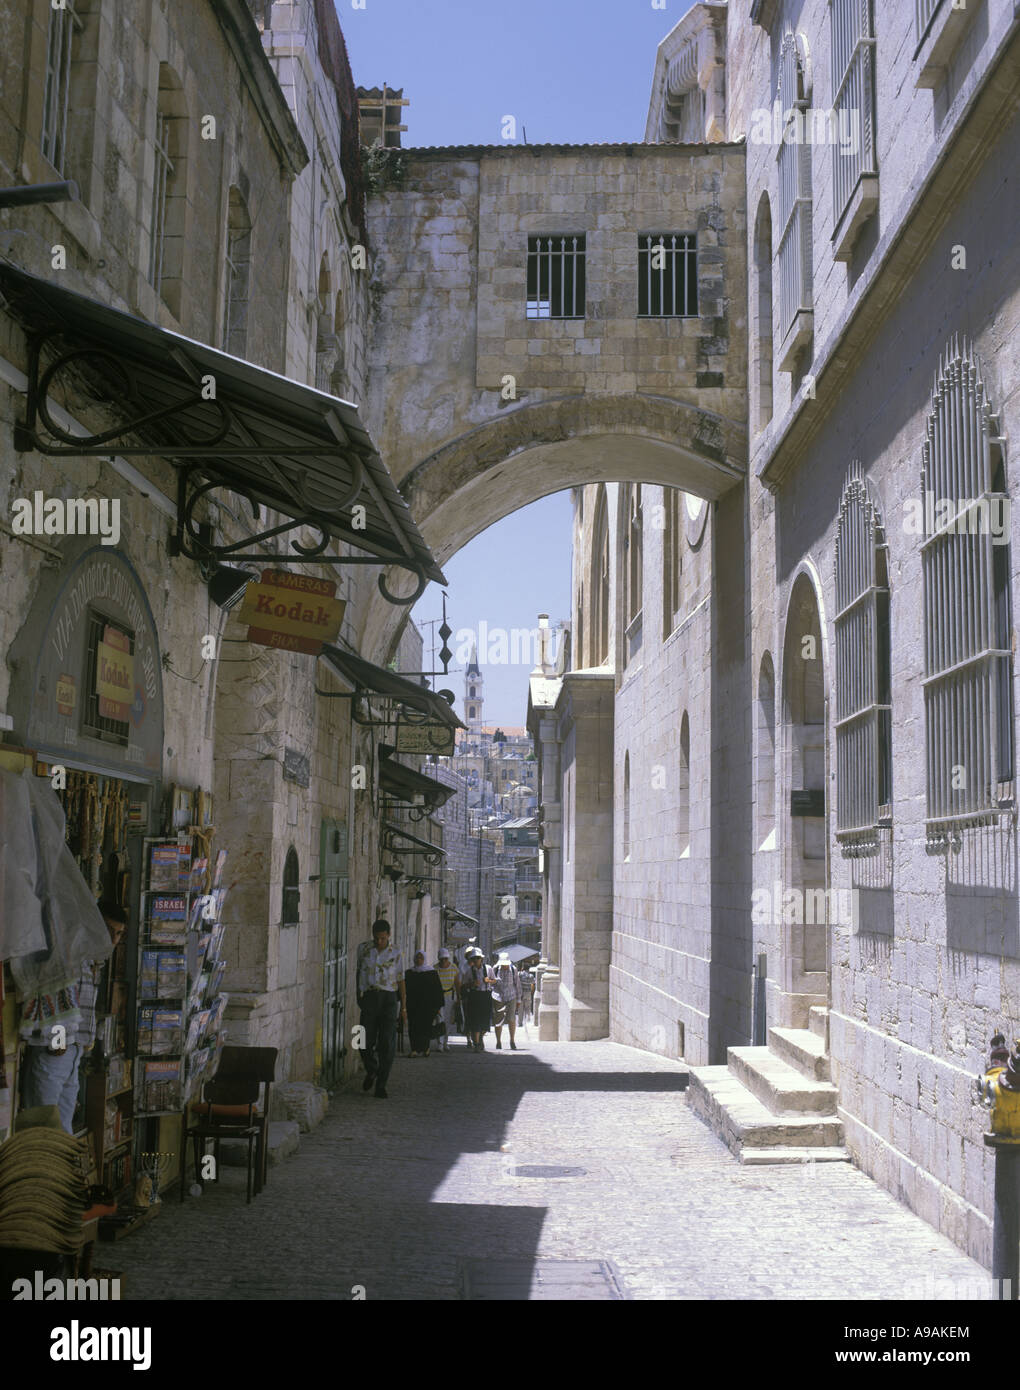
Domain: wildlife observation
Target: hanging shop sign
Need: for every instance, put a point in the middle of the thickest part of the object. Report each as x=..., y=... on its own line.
x=115, y=675
x=87, y=679
x=434, y=739
x=293, y=612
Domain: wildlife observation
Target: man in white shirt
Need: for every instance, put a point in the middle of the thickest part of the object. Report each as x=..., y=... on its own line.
x=380, y=991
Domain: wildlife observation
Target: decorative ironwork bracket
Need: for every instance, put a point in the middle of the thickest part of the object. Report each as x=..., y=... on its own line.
x=192, y=539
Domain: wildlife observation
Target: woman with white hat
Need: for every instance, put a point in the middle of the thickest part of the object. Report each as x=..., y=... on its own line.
x=506, y=995
x=475, y=991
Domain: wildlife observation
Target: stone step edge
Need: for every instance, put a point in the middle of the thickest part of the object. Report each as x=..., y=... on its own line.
x=818, y=1017
x=740, y=1120
x=783, y=1090
x=805, y=1155
x=803, y=1050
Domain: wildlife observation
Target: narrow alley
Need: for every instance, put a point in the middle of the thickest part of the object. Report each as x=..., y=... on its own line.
x=422, y=1197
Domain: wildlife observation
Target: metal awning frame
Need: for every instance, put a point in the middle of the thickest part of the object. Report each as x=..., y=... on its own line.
x=432, y=854
x=198, y=408
x=192, y=539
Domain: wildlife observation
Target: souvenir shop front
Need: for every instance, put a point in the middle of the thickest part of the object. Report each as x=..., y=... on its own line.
x=87, y=704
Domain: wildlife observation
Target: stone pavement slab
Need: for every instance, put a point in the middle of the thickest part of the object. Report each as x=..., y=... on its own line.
x=419, y=1197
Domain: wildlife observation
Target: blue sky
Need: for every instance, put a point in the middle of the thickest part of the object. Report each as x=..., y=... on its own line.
x=505, y=577
x=568, y=71
x=577, y=71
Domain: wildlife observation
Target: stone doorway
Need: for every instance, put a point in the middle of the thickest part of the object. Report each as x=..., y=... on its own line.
x=804, y=930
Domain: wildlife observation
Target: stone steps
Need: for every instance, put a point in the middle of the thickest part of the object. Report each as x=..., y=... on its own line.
x=749, y=1129
x=818, y=1022
x=794, y=1155
x=781, y=1088
x=803, y=1050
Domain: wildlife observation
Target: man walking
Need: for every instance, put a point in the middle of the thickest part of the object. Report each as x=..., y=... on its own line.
x=383, y=1001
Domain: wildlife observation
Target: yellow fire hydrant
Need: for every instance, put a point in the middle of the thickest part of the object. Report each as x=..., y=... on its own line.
x=999, y=1088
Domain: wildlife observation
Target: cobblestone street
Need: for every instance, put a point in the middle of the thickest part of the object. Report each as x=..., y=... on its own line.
x=416, y=1197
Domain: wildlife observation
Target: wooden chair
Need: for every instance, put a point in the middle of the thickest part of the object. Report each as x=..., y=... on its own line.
x=231, y=1109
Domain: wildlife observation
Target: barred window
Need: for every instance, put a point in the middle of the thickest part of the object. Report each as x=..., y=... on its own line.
x=853, y=98
x=968, y=687
x=794, y=171
x=600, y=582
x=102, y=716
x=64, y=25
x=162, y=177
x=556, y=276
x=863, y=697
x=238, y=276
x=667, y=275
x=672, y=561
x=633, y=548
x=168, y=229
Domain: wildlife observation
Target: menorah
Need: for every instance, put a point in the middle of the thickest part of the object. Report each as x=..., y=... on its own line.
x=154, y=1165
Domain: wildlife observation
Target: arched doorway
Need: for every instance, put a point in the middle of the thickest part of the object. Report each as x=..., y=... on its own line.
x=804, y=930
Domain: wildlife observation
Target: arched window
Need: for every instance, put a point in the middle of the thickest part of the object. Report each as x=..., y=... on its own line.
x=766, y=751
x=600, y=582
x=683, y=810
x=965, y=558
x=863, y=713
x=238, y=276
x=672, y=561
x=291, y=891
x=626, y=805
x=763, y=326
x=168, y=225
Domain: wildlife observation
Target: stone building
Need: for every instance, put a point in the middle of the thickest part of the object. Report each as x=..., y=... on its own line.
x=786, y=770
x=215, y=152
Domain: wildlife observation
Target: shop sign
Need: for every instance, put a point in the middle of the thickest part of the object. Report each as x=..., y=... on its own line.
x=115, y=675
x=293, y=612
x=433, y=739
x=65, y=694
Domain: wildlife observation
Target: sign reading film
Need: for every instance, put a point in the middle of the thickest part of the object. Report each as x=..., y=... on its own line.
x=435, y=740
x=292, y=612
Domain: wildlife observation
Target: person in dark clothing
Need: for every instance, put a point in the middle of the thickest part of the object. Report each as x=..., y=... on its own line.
x=424, y=1000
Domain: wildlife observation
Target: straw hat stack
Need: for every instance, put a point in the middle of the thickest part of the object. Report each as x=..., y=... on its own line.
x=42, y=1191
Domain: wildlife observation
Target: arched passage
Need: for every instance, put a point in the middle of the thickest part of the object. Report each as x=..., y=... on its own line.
x=804, y=928
x=532, y=451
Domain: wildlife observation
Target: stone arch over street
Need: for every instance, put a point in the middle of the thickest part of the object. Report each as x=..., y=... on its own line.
x=486, y=473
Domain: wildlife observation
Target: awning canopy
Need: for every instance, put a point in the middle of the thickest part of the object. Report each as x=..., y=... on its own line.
x=368, y=679
x=406, y=784
x=433, y=853
x=519, y=953
x=224, y=424
x=452, y=915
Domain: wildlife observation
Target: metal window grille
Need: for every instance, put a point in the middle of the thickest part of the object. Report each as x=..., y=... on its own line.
x=600, y=586
x=924, y=13
x=794, y=170
x=634, y=553
x=235, y=310
x=556, y=277
x=672, y=564
x=667, y=275
x=968, y=686
x=853, y=98
x=863, y=700
x=63, y=25
x=162, y=177
x=93, y=723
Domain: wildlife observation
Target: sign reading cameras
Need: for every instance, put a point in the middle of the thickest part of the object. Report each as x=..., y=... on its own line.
x=293, y=612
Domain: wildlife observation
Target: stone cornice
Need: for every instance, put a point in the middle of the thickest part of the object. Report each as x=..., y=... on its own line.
x=690, y=57
x=985, y=108
x=245, y=41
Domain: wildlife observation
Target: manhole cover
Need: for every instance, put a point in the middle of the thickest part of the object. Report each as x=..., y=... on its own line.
x=541, y=1279
x=546, y=1170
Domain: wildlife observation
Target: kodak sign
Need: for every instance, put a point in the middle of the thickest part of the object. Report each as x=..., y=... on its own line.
x=293, y=612
x=115, y=675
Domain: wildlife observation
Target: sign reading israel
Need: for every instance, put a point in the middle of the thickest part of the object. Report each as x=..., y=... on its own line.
x=115, y=674
x=293, y=612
